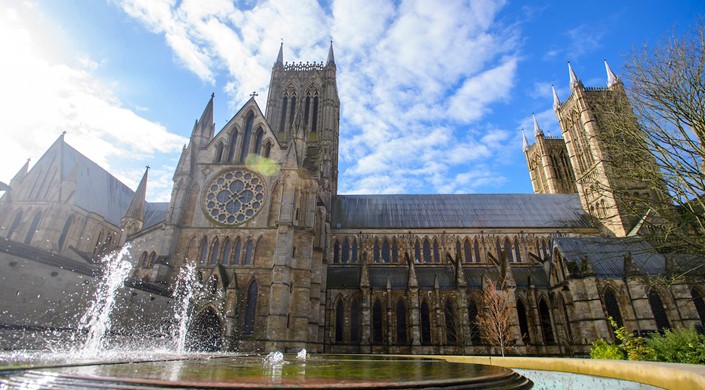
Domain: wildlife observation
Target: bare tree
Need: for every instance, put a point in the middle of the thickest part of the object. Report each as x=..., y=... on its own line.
x=495, y=319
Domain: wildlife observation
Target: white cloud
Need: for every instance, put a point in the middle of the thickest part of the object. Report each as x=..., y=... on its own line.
x=46, y=97
x=413, y=76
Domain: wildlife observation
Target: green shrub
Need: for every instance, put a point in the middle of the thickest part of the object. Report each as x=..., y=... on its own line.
x=601, y=349
x=678, y=346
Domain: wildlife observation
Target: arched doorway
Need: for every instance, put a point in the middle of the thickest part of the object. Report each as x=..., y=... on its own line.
x=205, y=332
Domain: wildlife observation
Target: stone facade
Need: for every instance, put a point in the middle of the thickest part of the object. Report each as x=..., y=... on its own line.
x=284, y=262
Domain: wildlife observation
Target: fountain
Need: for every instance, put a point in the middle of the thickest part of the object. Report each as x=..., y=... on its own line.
x=93, y=360
x=96, y=321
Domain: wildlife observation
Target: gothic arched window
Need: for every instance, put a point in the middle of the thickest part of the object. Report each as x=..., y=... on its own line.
x=613, y=308
x=152, y=259
x=267, y=149
x=375, y=254
x=225, y=259
x=417, y=252
x=355, y=320
x=425, y=324
x=385, y=251
x=395, y=251
x=546, y=327
x=467, y=250
x=346, y=251
x=508, y=250
x=65, y=232
x=336, y=252
x=314, y=122
x=236, y=252
x=307, y=107
x=377, y=323
x=474, y=328
x=426, y=251
x=214, y=251
x=339, y=321
x=451, y=330
x=33, y=228
x=248, y=325
x=401, y=322
x=517, y=251
x=15, y=223
x=219, y=151
x=292, y=110
x=658, y=310
x=246, y=137
x=249, y=252
x=258, y=140
x=436, y=252
x=354, y=251
x=144, y=259
x=523, y=323
x=203, y=251
x=282, y=120
x=232, y=145
x=477, y=251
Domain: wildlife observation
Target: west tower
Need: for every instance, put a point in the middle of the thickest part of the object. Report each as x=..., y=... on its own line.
x=251, y=208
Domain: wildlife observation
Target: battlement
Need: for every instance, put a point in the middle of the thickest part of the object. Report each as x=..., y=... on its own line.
x=303, y=66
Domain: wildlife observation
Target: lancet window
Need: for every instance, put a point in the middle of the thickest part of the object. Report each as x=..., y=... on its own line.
x=658, y=310
x=248, y=326
x=65, y=232
x=33, y=227
x=612, y=307
x=401, y=322
x=247, y=134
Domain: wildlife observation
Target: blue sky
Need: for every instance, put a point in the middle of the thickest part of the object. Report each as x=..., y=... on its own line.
x=434, y=94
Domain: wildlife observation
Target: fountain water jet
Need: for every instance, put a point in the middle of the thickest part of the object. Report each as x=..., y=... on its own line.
x=186, y=283
x=96, y=320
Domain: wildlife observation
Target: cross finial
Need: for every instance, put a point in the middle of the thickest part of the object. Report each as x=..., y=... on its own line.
x=212, y=95
x=147, y=166
x=254, y=93
x=63, y=132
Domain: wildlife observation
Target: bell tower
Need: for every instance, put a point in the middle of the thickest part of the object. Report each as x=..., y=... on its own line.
x=591, y=119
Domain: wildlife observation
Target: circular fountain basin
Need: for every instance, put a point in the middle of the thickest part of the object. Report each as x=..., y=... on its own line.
x=317, y=372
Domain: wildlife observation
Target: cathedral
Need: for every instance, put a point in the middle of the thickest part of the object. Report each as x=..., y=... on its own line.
x=284, y=262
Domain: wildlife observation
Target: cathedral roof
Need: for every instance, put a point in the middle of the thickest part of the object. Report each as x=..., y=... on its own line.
x=154, y=213
x=606, y=254
x=97, y=190
x=458, y=211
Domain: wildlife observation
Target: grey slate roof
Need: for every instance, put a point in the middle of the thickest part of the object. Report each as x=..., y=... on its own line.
x=97, y=190
x=457, y=211
x=154, y=213
x=535, y=273
x=606, y=255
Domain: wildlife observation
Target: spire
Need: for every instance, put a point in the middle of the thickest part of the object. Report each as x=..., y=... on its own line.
x=574, y=81
x=537, y=130
x=205, y=126
x=331, y=59
x=136, y=208
x=280, y=56
x=612, y=78
x=556, y=101
x=526, y=142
